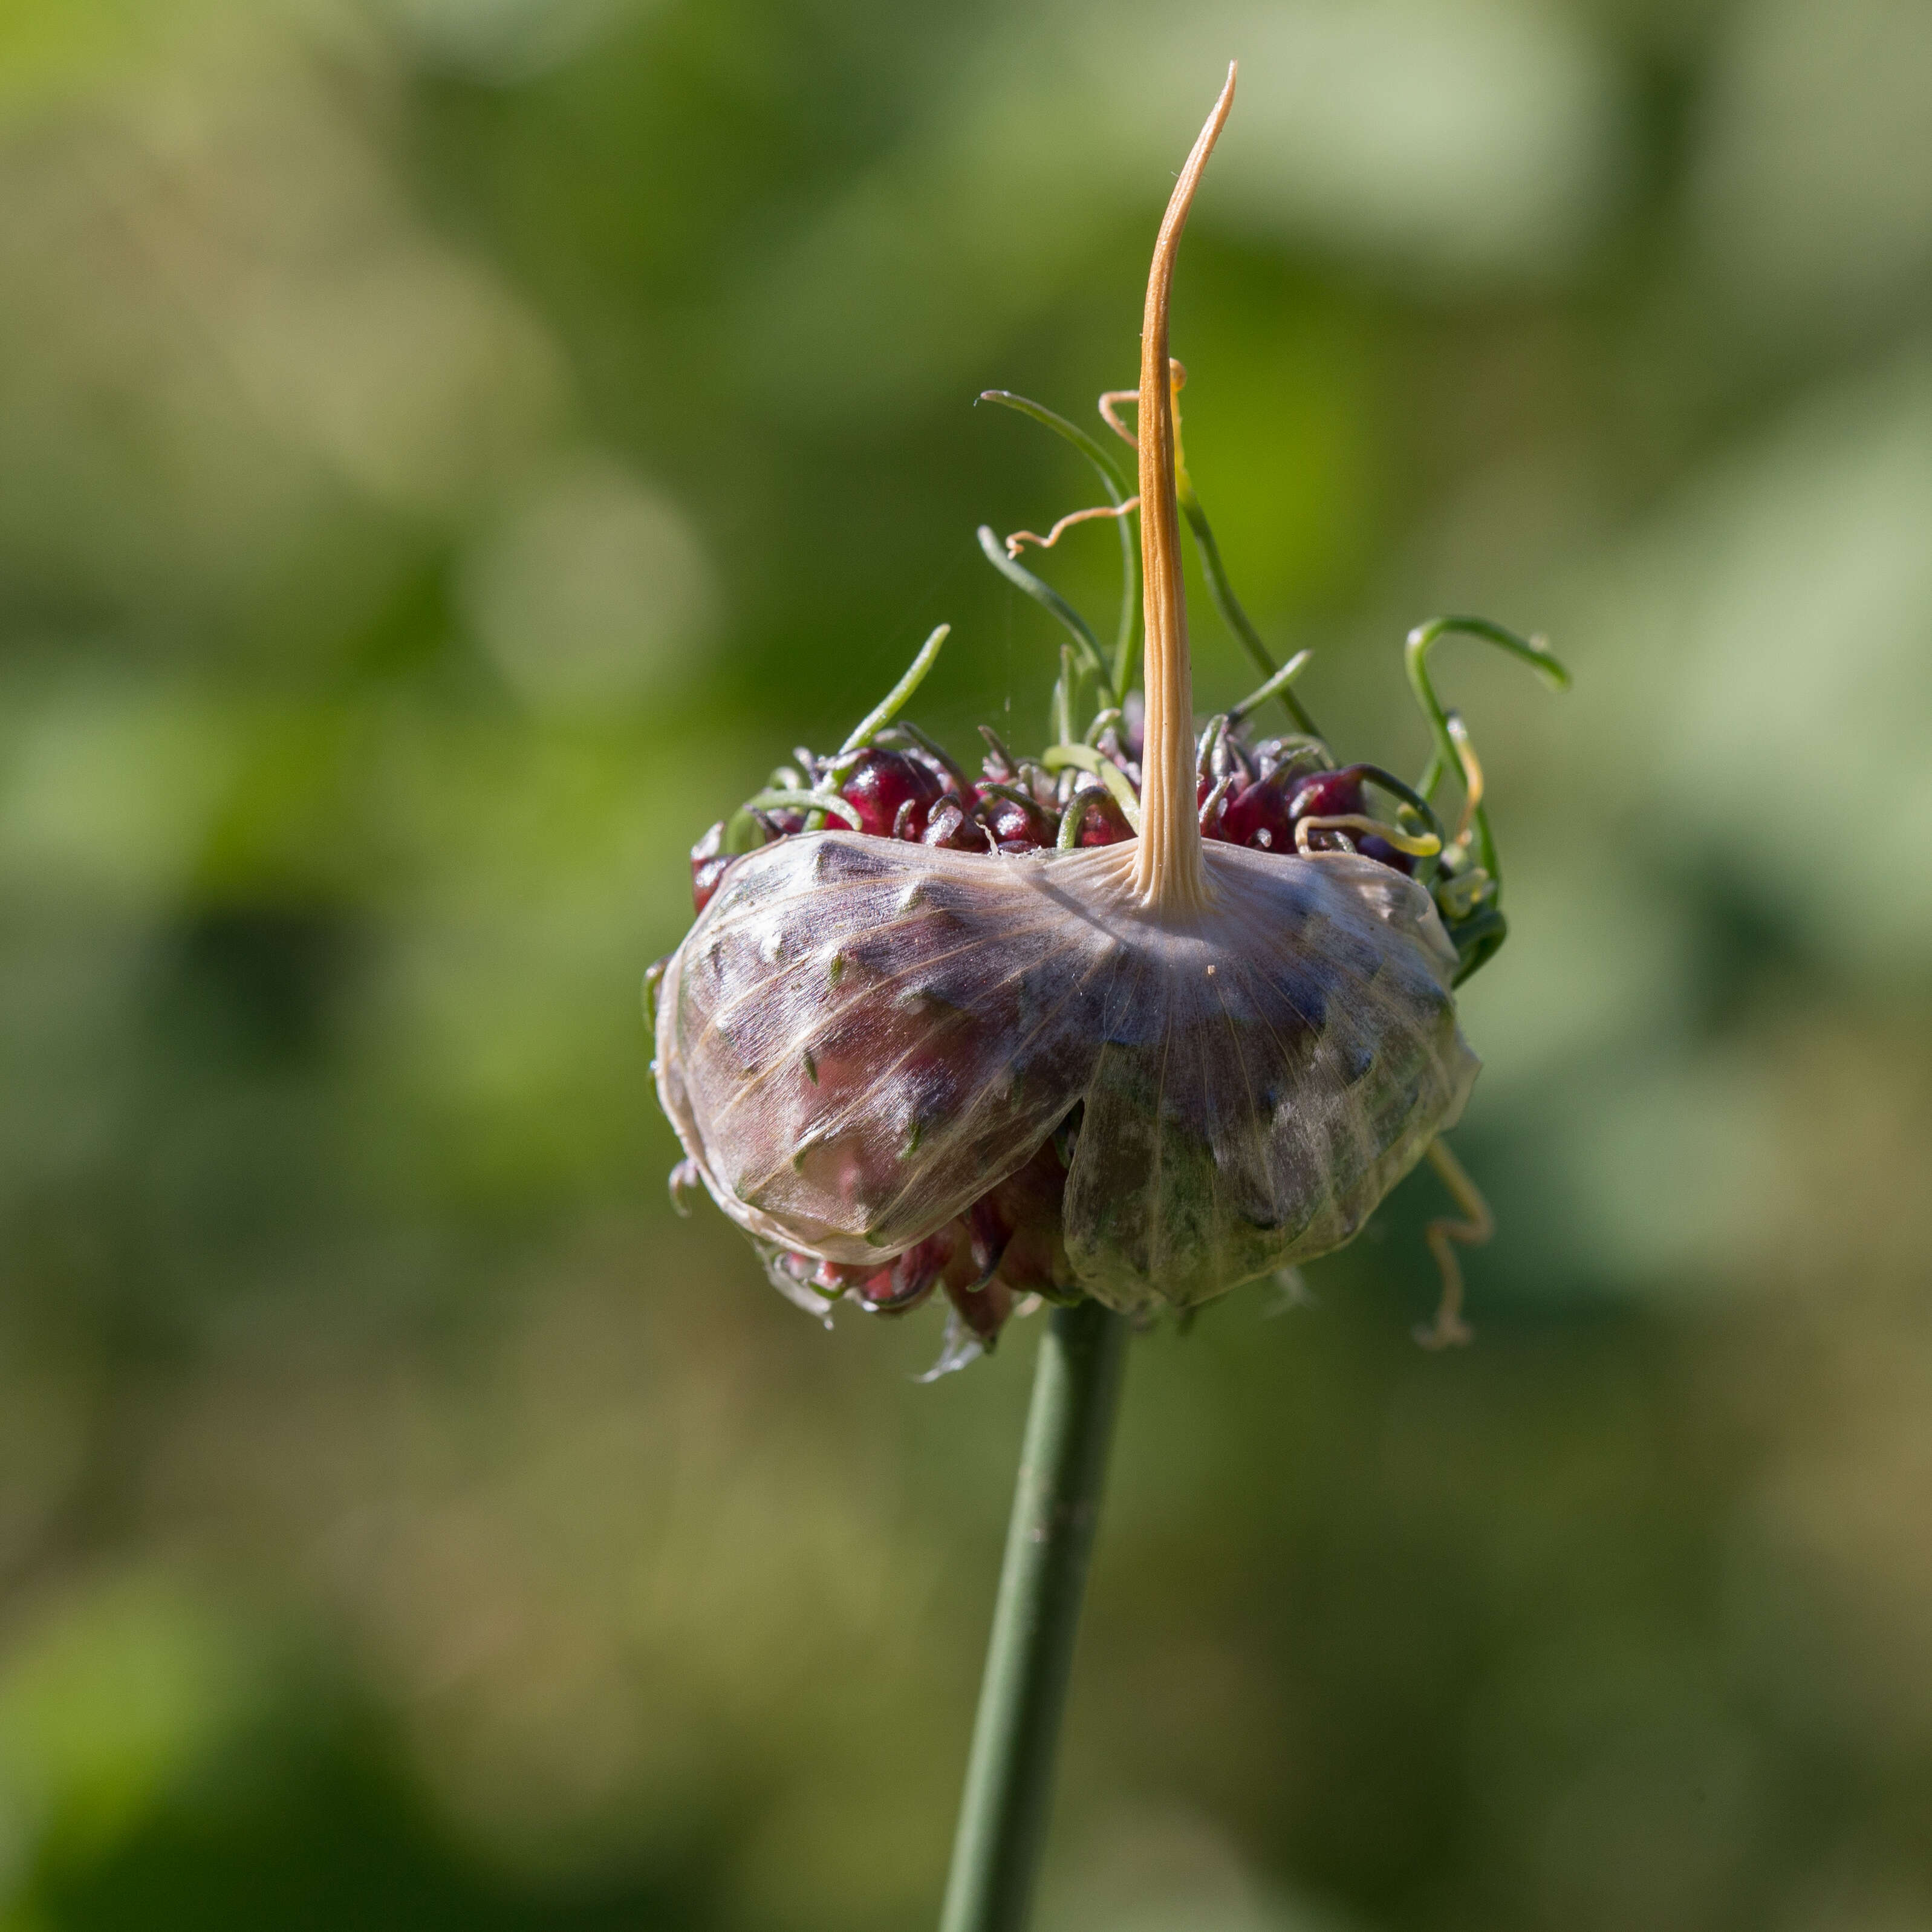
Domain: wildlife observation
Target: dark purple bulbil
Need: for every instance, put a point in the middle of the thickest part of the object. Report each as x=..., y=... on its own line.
x=709, y=862
x=882, y=784
x=1265, y=790
x=1017, y=827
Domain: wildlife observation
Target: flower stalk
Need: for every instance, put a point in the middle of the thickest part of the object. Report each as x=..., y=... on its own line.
x=1002, y=1814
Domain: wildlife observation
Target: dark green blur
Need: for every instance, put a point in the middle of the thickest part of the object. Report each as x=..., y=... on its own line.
x=450, y=451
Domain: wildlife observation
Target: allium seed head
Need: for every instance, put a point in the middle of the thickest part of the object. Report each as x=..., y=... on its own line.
x=1142, y=1018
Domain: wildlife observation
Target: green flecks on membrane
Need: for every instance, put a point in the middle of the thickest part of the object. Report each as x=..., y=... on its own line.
x=835, y=969
x=811, y=1067
x=913, y=1140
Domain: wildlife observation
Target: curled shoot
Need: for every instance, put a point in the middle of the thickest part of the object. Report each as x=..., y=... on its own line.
x=1103, y=467
x=1277, y=682
x=1446, y=755
x=896, y=699
x=1412, y=799
x=1425, y=846
x=1057, y=757
x=1018, y=540
x=1212, y=568
x=1476, y=1224
x=1086, y=647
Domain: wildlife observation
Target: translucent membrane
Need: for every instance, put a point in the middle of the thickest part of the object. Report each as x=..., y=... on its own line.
x=860, y=1037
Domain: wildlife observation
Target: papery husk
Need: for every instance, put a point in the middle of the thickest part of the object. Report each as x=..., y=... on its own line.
x=859, y=1038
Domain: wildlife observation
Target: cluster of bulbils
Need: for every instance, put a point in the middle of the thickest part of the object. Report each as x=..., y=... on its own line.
x=1158, y=1011
x=1253, y=795
x=1008, y=1243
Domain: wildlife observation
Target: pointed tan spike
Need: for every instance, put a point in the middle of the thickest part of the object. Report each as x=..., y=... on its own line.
x=1168, y=874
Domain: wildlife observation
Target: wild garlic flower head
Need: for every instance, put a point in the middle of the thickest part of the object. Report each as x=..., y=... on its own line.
x=1156, y=1012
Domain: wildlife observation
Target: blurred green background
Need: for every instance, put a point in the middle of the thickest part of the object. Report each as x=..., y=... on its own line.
x=452, y=448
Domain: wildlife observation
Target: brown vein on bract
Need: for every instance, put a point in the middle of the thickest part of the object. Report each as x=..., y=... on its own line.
x=1247, y=1085
x=1049, y=920
x=1396, y=1019
x=872, y=988
x=804, y=893
x=828, y=1131
x=1122, y=1002
x=1159, y=1133
x=957, y=1132
x=1328, y=1164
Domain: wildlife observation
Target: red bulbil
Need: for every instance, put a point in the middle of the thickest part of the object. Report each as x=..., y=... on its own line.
x=1273, y=754
x=893, y=794
x=709, y=862
x=1259, y=816
x=1016, y=827
x=1328, y=794
x=905, y=1282
x=1104, y=822
x=1014, y=1230
x=984, y=1309
x=1265, y=815
x=949, y=824
x=1008, y=1243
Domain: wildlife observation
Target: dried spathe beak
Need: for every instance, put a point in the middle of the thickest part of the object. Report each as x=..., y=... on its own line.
x=1187, y=1061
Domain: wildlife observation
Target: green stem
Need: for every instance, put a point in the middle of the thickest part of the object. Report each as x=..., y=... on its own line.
x=1010, y=1774
x=1236, y=619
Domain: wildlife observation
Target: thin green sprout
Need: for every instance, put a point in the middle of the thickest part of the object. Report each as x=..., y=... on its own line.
x=1237, y=619
x=1048, y=599
x=895, y=699
x=1279, y=683
x=997, y=746
x=1444, y=756
x=813, y=801
x=744, y=832
x=1123, y=635
x=1056, y=758
x=1212, y=568
x=999, y=788
x=1213, y=735
x=1061, y=721
x=1472, y=774
x=1101, y=719
x=1297, y=744
x=838, y=767
x=1387, y=781
x=1074, y=816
